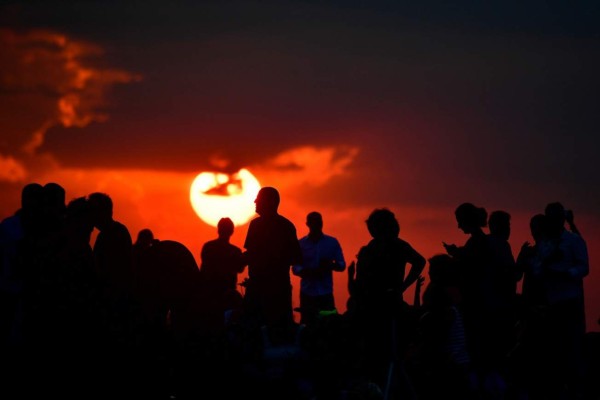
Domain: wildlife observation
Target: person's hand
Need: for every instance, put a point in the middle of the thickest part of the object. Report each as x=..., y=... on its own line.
x=419, y=282
x=352, y=269
x=526, y=249
x=450, y=248
x=245, y=258
x=569, y=217
x=326, y=264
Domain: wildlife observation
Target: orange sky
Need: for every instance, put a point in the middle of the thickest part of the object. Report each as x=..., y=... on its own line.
x=343, y=110
x=160, y=201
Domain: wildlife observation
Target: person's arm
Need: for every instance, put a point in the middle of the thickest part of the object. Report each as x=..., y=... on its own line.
x=298, y=270
x=417, y=264
x=451, y=249
x=337, y=262
x=524, y=258
x=340, y=261
x=418, y=285
x=351, y=278
x=581, y=266
x=241, y=264
x=570, y=218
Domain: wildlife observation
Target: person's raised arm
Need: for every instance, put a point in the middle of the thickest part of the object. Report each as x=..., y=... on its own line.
x=570, y=218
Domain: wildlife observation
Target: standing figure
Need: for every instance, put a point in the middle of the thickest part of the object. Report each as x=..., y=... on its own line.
x=380, y=282
x=505, y=278
x=321, y=255
x=221, y=262
x=113, y=247
x=271, y=249
x=482, y=298
x=13, y=229
x=564, y=268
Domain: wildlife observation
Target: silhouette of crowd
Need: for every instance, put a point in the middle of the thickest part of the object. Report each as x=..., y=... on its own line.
x=144, y=320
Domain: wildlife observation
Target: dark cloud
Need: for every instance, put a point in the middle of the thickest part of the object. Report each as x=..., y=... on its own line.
x=443, y=97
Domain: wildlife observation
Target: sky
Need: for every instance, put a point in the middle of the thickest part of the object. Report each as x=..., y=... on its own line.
x=344, y=106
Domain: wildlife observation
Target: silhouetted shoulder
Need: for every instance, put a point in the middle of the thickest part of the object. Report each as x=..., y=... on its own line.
x=178, y=255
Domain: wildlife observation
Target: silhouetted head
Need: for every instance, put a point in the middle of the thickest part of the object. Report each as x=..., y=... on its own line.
x=314, y=222
x=267, y=201
x=53, y=206
x=442, y=269
x=499, y=223
x=539, y=227
x=102, y=209
x=79, y=218
x=382, y=224
x=145, y=238
x=555, y=218
x=54, y=199
x=32, y=196
x=225, y=228
x=470, y=218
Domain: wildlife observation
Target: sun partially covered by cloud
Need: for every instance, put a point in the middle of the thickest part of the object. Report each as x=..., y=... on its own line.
x=49, y=79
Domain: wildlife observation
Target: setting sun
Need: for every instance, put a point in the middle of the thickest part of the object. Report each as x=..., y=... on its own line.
x=215, y=195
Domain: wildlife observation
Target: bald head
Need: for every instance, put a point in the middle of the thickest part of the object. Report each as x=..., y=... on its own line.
x=267, y=201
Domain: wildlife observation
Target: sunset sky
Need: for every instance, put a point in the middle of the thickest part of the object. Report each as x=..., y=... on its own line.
x=344, y=106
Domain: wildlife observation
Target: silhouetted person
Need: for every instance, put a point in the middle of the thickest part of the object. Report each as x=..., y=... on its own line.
x=145, y=240
x=499, y=224
x=443, y=342
x=529, y=262
x=220, y=264
x=506, y=276
x=533, y=364
x=482, y=300
x=54, y=206
x=113, y=246
x=564, y=269
x=321, y=255
x=72, y=301
x=271, y=249
x=13, y=230
x=221, y=261
x=172, y=301
x=381, y=280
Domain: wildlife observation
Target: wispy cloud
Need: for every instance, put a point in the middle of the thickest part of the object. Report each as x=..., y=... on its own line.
x=48, y=79
x=308, y=165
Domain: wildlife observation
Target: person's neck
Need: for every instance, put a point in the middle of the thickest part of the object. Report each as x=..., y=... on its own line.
x=315, y=236
x=104, y=224
x=269, y=214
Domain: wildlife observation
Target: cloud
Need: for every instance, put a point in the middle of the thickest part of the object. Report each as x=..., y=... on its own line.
x=307, y=165
x=11, y=170
x=48, y=79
